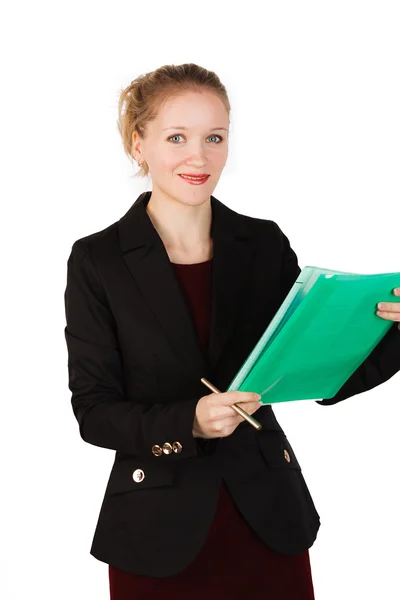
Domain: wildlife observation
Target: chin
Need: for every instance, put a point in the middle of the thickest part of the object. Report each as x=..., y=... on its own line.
x=193, y=195
x=196, y=201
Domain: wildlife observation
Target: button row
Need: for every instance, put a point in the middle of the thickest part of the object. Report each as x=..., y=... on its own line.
x=166, y=448
x=138, y=475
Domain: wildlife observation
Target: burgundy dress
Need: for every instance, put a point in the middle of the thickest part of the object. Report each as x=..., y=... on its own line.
x=234, y=563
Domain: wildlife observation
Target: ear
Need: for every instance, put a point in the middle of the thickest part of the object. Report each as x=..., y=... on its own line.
x=136, y=146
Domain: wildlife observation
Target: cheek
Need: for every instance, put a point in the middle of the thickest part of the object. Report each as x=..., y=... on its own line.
x=164, y=163
x=168, y=160
x=220, y=158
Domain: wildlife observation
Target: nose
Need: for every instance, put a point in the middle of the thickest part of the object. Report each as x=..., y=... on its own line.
x=197, y=162
x=197, y=155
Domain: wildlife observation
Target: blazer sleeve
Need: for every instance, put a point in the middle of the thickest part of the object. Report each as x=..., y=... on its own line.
x=379, y=366
x=95, y=375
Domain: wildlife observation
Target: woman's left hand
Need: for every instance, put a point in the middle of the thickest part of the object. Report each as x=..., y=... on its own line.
x=390, y=310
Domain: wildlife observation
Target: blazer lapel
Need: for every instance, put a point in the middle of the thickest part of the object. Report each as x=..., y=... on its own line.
x=150, y=266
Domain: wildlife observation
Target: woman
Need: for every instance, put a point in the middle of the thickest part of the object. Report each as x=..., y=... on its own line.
x=198, y=503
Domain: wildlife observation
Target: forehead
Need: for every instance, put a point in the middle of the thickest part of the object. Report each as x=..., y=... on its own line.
x=193, y=110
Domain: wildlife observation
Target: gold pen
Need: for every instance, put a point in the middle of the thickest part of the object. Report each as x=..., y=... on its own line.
x=235, y=406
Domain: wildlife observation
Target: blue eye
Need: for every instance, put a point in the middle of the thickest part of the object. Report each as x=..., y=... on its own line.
x=180, y=135
x=218, y=136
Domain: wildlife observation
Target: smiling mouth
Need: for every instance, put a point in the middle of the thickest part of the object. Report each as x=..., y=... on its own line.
x=194, y=178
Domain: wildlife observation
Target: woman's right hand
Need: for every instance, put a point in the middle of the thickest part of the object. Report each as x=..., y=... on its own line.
x=215, y=416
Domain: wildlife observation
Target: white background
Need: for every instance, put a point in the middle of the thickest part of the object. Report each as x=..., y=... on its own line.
x=314, y=146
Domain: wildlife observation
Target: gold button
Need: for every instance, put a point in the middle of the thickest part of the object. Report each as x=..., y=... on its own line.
x=138, y=475
x=156, y=450
x=167, y=448
x=286, y=455
x=177, y=447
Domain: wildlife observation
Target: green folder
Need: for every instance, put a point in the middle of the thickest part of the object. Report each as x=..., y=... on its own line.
x=324, y=329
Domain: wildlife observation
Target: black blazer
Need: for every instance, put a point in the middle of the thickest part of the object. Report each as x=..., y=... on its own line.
x=135, y=364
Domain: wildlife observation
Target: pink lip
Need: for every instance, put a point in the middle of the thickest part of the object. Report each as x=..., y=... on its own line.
x=198, y=181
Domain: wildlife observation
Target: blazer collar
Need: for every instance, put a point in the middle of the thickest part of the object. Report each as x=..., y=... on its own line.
x=150, y=266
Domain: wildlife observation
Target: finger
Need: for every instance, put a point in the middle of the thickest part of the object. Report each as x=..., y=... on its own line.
x=251, y=397
x=231, y=413
x=246, y=396
x=389, y=306
x=224, y=426
x=248, y=408
x=391, y=316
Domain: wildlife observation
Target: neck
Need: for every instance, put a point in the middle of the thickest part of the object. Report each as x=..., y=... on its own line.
x=182, y=227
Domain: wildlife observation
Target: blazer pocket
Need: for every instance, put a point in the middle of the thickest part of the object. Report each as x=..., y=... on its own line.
x=276, y=450
x=138, y=474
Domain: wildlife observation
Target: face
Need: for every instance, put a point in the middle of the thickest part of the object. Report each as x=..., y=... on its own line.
x=189, y=135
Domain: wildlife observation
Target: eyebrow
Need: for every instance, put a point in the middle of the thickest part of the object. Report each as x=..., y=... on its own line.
x=180, y=127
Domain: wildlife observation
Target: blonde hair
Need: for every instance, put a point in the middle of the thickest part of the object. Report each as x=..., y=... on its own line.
x=141, y=100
